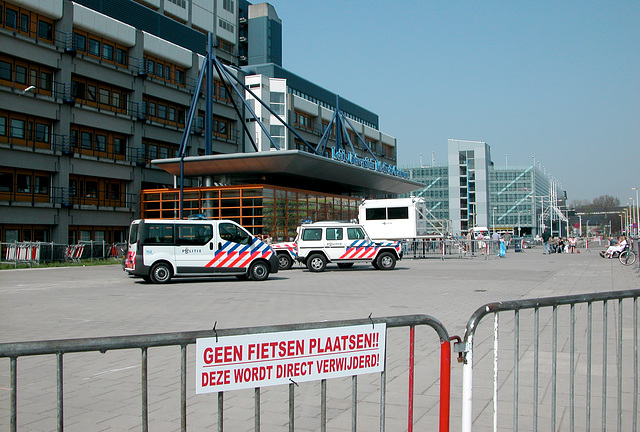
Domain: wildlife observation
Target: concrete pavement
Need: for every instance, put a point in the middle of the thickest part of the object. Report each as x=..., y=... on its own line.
x=102, y=391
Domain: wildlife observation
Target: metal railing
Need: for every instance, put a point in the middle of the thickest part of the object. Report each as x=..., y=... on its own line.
x=547, y=375
x=48, y=252
x=60, y=348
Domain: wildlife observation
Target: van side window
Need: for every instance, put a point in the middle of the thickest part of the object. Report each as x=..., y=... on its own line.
x=376, y=213
x=233, y=233
x=193, y=235
x=334, y=233
x=159, y=234
x=355, y=234
x=398, y=212
x=311, y=234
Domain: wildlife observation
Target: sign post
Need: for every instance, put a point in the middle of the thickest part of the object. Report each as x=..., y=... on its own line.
x=266, y=359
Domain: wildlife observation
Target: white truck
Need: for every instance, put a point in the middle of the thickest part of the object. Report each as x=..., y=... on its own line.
x=399, y=218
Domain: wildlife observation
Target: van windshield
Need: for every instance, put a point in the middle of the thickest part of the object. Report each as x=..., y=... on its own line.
x=133, y=234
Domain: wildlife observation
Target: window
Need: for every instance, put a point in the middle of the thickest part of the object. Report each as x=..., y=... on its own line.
x=355, y=234
x=233, y=233
x=5, y=71
x=162, y=111
x=180, y=76
x=115, y=99
x=398, y=212
x=159, y=234
x=91, y=93
x=334, y=233
x=45, y=30
x=226, y=25
x=119, y=146
x=17, y=128
x=85, y=140
x=92, y=189
x=94, y=47
x=172, y=114
x=24, y=23
x=376, y=213
x=42, y=132
x=114, y=191
x=3, y=126
x=24, y=183
x=196, y=235
x=151, y=109
x=107, y=52
x=227, y=5
x=312, y=234
x=101, y=142
x=12, y=18
x=159, y=70
x=6, y=182
x=105, y=96
x=121, y=56
x=80, y=42
x=277, y=103
x=21, y=74
x=42, y=185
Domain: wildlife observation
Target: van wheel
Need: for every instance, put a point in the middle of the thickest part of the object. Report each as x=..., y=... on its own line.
x=316, y=263
x=345, y=265
x=259, y=271
x=284, y=261
x=160, y=273
x=386, y=261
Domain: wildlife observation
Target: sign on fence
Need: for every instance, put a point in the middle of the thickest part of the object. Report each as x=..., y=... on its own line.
x=266, y=359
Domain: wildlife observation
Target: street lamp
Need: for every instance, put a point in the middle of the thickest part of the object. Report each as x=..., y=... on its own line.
x=631, y=215
x=637, y=212
x=519, y=223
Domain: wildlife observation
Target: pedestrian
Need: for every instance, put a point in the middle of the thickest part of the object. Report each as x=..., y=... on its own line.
x=546, y=235
x=502, y=249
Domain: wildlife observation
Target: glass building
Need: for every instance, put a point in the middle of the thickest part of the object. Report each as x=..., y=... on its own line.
x=471, y=191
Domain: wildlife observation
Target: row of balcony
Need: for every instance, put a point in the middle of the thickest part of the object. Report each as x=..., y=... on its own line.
x=65, y=197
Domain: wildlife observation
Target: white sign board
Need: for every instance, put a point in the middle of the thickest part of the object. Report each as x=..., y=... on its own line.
x=259, y=360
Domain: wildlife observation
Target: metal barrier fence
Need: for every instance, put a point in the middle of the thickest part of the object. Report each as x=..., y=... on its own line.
x=62, y=348
x=37, y=252
x=552, y=369
x=450, y=248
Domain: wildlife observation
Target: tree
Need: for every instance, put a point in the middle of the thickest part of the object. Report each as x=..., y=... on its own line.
x=605, y=203
x=580, y=206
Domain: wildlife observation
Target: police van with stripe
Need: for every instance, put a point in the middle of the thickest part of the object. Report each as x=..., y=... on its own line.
x=345, y=244
x=160, y=249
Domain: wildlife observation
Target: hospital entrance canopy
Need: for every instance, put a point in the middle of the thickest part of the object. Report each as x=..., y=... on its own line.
x=294, y=169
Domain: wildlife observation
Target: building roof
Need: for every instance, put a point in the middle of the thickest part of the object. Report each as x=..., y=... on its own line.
x=291, y=168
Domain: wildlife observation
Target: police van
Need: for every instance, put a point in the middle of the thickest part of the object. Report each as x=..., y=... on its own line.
x=160, y=249
x=345, y=244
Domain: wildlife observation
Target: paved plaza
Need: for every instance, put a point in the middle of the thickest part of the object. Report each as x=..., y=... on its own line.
x=102, y=391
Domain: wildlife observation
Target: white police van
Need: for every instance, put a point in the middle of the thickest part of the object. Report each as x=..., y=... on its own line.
x=345, y=244
x=160, y=249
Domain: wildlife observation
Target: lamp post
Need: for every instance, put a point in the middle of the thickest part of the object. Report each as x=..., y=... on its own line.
x=519, y=224
x=637, y=213
x=632, y=204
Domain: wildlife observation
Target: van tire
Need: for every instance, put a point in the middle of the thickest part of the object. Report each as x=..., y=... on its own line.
x=161, y=273
x=316, y=263
x=386, y=261
x=284, y=261
x=259, y=271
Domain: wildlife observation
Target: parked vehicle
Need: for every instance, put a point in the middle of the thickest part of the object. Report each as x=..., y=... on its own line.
x=286, y=253
x=161, y=249
x=345, y=244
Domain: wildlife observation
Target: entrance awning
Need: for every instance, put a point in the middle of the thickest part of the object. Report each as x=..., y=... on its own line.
x=291, y=168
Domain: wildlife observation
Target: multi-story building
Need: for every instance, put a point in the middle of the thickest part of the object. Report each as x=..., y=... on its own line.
x=471, y=191
x=93, y=91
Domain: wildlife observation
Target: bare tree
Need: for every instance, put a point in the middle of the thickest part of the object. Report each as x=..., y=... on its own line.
x=581, y=206
x=605, y=203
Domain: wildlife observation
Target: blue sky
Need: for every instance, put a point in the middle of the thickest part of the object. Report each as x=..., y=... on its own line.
x=556, y=80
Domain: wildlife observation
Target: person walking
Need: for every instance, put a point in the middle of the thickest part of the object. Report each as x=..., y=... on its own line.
x=546, y=235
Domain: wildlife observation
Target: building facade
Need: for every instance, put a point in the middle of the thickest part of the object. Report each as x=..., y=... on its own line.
x=93, y=91
x=471, y=191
